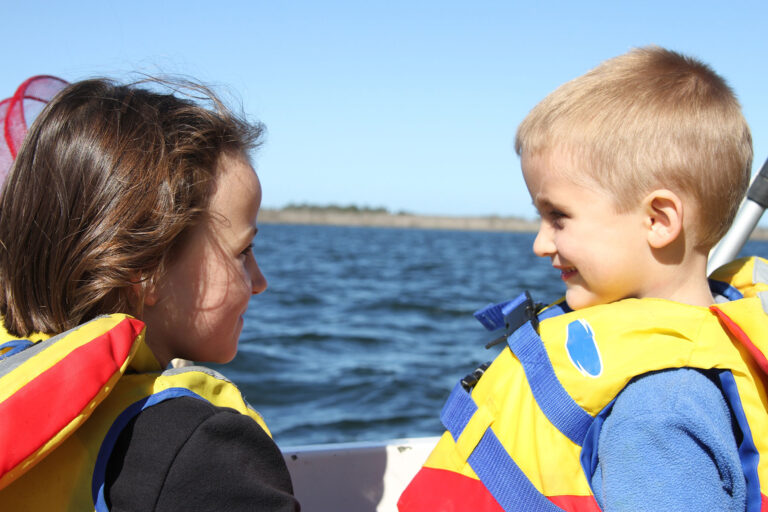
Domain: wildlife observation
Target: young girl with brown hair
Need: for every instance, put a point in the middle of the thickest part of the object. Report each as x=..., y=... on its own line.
x=127, y=200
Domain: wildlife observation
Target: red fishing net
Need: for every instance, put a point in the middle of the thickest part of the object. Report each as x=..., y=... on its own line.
x=18, y=112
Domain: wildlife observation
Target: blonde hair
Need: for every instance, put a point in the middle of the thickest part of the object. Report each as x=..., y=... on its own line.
x=651, y=118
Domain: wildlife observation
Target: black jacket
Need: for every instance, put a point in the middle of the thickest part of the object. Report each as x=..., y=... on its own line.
x=188, y=455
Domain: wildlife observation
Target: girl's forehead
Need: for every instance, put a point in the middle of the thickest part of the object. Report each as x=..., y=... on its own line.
x=237, y=196
x=235, y=179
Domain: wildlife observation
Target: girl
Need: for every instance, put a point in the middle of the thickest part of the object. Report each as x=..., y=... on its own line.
x=125, y=200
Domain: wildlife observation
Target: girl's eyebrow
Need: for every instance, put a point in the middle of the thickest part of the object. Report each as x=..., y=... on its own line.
x=249, y=234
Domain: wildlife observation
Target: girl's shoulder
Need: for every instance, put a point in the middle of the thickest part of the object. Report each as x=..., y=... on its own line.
x=188, y=454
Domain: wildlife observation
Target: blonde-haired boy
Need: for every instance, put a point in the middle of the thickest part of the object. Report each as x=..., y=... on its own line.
x=637, y=169
x=639, y=393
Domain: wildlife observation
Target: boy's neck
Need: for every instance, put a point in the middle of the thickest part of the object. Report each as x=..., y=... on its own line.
x=685, y=282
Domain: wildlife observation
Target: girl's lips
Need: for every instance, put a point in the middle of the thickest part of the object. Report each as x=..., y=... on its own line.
x=567, y=273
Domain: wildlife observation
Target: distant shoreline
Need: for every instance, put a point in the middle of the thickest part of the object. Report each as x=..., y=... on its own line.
x=384, y=219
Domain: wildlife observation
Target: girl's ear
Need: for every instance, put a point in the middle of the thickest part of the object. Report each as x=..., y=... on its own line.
x=145, y=290
x=150, y=295
x=663, y=210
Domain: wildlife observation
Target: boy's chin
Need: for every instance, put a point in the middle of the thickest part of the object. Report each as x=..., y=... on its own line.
x=578, y=298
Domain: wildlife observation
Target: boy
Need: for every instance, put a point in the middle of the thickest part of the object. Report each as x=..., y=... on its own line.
x=637, y=169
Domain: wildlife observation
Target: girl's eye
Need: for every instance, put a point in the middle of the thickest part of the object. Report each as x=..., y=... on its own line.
x=247, y=250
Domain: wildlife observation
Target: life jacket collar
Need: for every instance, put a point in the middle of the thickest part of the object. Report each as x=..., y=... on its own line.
x=504, y=318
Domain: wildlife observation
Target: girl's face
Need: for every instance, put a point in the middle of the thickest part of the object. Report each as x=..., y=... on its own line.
x=196, y=311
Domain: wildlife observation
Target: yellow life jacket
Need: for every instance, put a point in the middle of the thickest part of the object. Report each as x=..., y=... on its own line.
x=65, y=400
x=524, y=437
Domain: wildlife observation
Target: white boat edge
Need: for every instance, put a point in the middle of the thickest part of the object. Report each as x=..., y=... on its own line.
x=355, y=477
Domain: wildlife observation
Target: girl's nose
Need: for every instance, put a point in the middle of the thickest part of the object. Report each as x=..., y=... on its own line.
x=258, y=281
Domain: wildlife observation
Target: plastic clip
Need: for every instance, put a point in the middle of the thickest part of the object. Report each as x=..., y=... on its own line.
x=13, y=347
x=471, y=379
x=524, y=311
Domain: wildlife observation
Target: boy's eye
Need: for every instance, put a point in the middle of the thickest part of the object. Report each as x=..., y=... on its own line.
x=555, y=214
x=556, y=217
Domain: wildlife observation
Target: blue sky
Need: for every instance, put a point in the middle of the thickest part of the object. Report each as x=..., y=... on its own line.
x=404, y=104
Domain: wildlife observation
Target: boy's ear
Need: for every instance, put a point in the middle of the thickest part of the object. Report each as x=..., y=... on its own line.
x=663, y=210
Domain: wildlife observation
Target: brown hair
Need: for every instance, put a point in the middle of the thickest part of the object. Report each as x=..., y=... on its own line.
x=105, y=185
x=647, y=119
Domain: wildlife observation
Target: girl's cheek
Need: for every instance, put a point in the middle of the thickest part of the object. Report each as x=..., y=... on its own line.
x=242, y=279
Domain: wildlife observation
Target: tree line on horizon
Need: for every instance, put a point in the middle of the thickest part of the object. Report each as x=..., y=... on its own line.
x=352, y=208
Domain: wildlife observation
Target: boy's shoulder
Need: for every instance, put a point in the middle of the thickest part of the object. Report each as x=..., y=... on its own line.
x=681, y=393
x=664, y=421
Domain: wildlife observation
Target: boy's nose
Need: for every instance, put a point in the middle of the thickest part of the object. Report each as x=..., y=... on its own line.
x=543, y=245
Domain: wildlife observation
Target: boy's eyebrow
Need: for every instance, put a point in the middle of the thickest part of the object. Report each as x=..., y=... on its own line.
x=540, y=203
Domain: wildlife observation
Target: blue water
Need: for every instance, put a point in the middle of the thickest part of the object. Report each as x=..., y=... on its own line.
x=363, y=332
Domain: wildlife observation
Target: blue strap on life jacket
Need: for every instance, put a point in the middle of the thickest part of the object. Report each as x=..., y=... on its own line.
x=16, y=346
x=503, y=478
x=725, y=289
x=519, y=323
x=551, y=397
x=105, y=451
x=490, y=461
x=747, y=451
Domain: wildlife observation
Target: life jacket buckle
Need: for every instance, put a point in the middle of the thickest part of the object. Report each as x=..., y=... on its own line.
x=522, y=310
x=13, y=347
x=471, y=379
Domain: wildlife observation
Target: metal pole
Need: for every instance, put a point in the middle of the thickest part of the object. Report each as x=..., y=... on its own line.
x=746, y=220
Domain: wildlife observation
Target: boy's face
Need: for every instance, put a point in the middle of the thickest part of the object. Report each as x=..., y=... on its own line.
x=602, y=255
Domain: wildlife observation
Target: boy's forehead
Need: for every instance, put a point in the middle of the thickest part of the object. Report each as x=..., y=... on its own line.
x=553, y=176
x=540, y=168
x=556, y=159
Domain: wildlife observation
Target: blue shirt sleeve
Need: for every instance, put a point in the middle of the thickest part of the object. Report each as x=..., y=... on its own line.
x=669, y=444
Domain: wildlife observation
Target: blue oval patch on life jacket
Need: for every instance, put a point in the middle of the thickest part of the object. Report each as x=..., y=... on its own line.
x=582, y=348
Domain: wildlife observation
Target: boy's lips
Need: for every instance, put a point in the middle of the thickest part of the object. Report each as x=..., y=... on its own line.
x=567, y=273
